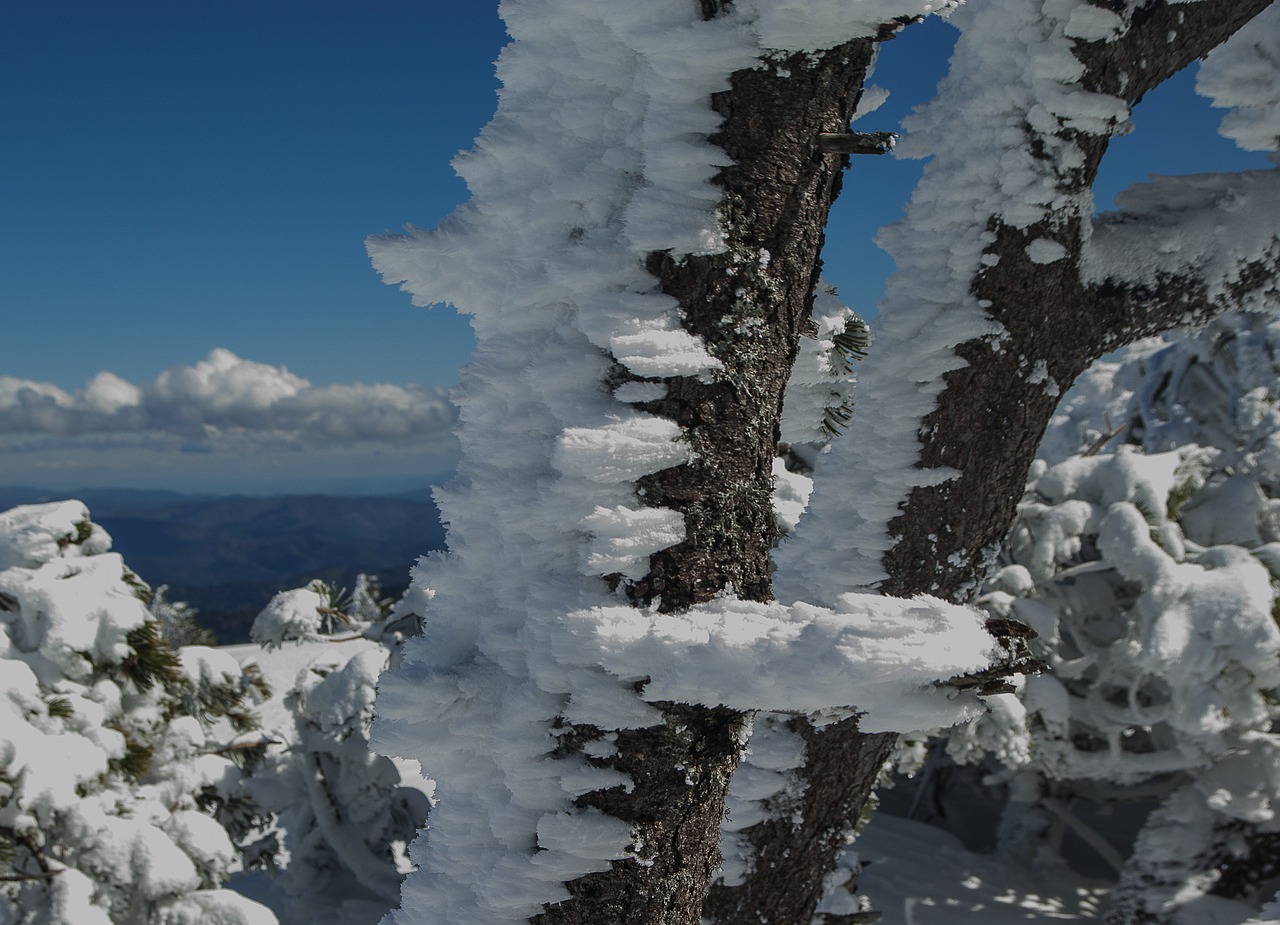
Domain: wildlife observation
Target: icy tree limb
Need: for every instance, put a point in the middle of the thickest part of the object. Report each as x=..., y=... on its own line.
x=1180, y=250
x=1031, y=282
x=869, y=654
x=748, y=303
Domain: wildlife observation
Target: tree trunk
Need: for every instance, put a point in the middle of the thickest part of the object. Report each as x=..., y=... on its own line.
x=749, y=305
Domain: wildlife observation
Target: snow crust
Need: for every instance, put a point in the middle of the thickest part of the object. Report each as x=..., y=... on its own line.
x=917, y=874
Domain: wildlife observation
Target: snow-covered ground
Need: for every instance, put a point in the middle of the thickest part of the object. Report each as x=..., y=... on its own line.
x=918, y=874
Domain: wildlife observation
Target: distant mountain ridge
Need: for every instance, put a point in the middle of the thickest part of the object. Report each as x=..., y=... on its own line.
x=228, y=554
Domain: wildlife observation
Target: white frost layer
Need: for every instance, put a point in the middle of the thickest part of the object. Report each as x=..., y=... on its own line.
x=621, y=450
x=877, y=655
x=1208, y=227
x=764, y=786
x=790, y=495
x=808, y=25
x=624, y=538
x=1240, y=75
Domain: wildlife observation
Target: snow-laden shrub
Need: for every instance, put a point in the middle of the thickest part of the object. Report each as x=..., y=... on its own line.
x=342, y=816
x=321, y=611
x=1146, y=558
x=178, y=621
x=109, y=740
x=1162, y=653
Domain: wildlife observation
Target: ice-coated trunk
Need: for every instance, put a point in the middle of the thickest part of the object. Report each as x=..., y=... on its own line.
x=1054, y=322
x=637, y=299
x=748, y=304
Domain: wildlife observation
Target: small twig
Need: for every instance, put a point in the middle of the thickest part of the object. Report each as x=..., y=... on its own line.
x=1087, y=834
x=1111, y=434
x=20, y=878
x=46, y=872
x=334, y=612
x=856, y=142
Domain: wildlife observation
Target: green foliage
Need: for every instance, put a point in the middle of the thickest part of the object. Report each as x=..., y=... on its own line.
x=852, y=343
x=152, y=661
x=84, y=530
x=365, y=603
x=136, y=761
x=230, y=701
x=1149, y=513
x=835, y=418
x=141, y=590
x=245, y=822
x=59, y=708
x=848, y=347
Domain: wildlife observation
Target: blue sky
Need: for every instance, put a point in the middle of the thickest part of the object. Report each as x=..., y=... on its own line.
x=187, y=188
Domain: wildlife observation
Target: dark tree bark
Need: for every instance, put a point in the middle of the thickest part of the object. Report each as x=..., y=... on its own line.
x=786, y=882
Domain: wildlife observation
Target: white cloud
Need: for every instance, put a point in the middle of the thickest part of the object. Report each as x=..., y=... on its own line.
x=225, y=399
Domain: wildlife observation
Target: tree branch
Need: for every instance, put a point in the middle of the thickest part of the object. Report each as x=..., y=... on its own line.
x=28, y=841
x=1183, y=249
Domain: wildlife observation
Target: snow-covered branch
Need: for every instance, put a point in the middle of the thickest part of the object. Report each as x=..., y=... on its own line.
x=883, y=657
x=1182, y=249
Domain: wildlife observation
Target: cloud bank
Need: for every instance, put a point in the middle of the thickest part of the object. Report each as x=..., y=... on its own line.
x=224, y=397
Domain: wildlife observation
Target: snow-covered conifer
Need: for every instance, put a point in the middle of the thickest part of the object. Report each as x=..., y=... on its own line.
x=110, y=740
x=1145, y=558
x=341, y=817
